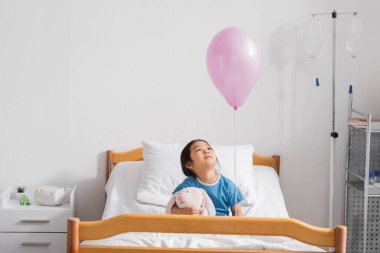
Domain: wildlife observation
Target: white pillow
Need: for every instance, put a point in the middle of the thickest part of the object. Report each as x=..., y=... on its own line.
x=244, y=172
x=121, y=190
x=163, y=171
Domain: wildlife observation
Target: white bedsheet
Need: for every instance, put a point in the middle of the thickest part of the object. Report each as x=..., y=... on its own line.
x=121, y=198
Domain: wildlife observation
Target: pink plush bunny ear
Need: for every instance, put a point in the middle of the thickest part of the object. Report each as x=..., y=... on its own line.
x=203, y=200
x=207, y=203
x=170, y=204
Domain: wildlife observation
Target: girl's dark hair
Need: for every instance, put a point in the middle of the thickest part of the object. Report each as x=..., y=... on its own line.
x=185, y=157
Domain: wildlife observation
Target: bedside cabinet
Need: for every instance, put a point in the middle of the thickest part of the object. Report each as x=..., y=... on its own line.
x=34, y=228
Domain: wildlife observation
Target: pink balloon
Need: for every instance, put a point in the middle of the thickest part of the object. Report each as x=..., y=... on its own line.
x=233, y=64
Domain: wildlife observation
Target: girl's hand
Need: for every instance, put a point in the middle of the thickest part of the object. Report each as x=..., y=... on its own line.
x=191, y=211
x=185, y=211
x=236, y=210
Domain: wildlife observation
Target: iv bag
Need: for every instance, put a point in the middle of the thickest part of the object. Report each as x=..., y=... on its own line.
x=354, y=36
x=313, y=38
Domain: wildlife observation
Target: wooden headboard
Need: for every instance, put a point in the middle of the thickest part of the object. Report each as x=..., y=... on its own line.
x=137, y=155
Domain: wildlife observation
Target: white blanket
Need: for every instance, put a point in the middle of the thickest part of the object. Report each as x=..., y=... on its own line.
x=203, y=241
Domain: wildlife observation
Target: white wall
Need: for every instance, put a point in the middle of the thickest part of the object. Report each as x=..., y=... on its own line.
x=80, y=77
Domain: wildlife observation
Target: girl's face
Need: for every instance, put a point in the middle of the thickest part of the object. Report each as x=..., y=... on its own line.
x=202, y=156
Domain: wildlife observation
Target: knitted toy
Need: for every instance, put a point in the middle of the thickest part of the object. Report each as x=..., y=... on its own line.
x=24, y=200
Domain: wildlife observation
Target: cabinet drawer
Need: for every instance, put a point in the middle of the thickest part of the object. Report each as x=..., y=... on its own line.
x=34, y=220
x=33, y=242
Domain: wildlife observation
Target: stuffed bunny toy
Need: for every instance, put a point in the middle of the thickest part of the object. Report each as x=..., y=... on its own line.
x=192, y=197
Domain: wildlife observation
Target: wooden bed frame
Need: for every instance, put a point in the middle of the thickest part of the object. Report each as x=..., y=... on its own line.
x=137, y=155
x=94, y=230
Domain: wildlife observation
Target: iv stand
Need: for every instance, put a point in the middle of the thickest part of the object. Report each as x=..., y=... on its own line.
x=333, y=134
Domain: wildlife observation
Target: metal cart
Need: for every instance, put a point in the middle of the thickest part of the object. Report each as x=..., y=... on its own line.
x=362, y=205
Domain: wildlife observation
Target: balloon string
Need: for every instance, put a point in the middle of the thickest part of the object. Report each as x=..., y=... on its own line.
x=235, y=154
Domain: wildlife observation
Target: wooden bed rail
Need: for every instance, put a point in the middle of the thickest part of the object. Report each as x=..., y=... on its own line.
x=94, y=230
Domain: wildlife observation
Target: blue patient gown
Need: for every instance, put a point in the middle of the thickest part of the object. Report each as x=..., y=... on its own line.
x=223, y=193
